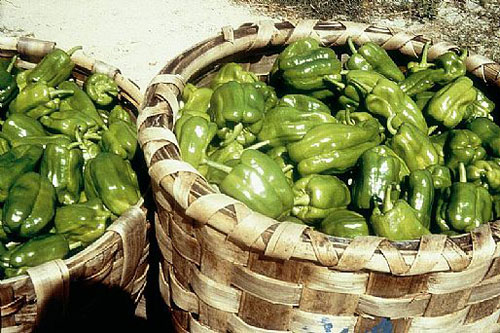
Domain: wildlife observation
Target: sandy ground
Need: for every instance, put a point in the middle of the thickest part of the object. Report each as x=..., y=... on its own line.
x=138, y=37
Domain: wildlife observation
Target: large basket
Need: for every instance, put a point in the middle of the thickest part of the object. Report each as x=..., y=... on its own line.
x=110, y=271
x=227, y=268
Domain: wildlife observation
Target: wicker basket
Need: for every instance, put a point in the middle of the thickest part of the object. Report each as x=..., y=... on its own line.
x=227, y=268
x=115, y=264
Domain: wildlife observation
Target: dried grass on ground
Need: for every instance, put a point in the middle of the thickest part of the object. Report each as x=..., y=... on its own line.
x=474, y=24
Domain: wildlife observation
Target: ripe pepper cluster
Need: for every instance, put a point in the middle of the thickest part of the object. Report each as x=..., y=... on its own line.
x=65, y=152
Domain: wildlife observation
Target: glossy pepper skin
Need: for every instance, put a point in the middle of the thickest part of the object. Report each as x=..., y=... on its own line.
x=481, y=107
x=378, y=168
x=121, y=139
x=453, y=65
x=283, y=125
x=72, y=123
x=37, y=99
x=40, y=141
x=439, y=141
x=414, y=147
x=352, y=95
x=119, y=113
x=344, y=223
x=54, y=68
x=441, y=176
x=422, y=99
x=306, y=67
x=333, y=148
x=464, y=206
x=488, y=132
x=101, y=89
x=396, y=221
x=384, y=98
x=348, y=117
x=485, y=173
x=420, y=81
x=463, y=146
x=82, y=222
x=448, y=107
x=8, y=84
x=15, y=163
x=303, y=103
x=34, y=252
x=19, y=125
x=257, y=181
x=29, y=207
x=232, y=72
x=196, y=99
x=62, y=165
x=270, y=97
x=238, y=110
x=420, y=185
x=371, y=56
x=222, y=155
x=280, y=156
x=111, y=179
x=315, y=196
x=80, y=101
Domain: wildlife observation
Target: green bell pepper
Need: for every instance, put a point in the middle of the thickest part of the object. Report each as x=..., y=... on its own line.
x=371, y=56
x=15, y=163
x=196, y=99
x=439, y=141
x=396, y=220
x=232, y=72
x=280, y=156
x=352, y=95
x=453, y=65
x=121, y=139
x=306, y=67
x=333, y=148
x=62, y=165
x=222, y=155
x=82, y=222
x=71, y=123
x=481, y=107
x=54, y=68
x=378, y=167
x=111, y=179
x=485, y=173
x=119, y=113
x=4, y=145
x=344, y=223
x=37, y=99
x=29, y=207
x=101, y=89
x=463, y=146
x=420, y=81
x=238, y=110
x=448, y=107
x=257, y=181
x=270, y=98
x=19, y=125
x=303, y=103
x=413, y=146
x=414, y=66
x=420, y=185
x=422, y=99
x=488, y=132
x=8, y=84
x=441, y=176
x=315, y=196
x=40, y=141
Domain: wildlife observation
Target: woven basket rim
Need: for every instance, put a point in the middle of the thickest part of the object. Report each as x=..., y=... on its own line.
x=269, y=34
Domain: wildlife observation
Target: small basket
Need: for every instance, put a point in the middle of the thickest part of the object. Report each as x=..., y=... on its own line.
x=116, y=261
x=227, y=268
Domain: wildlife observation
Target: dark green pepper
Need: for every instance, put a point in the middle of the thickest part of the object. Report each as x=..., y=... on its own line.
x=481, y=107
x=371, y=56
x=196, y=99
x=19, y=125
x=111, y=179
x=306, y=67
x=37, y=99
x=40, y=141
x=121, y=139
x=413, y=146
x=420, y=81
x=82, y=222
x=344, y=223
x=303, y=103
x=439, y=141
x=353, y=95
x=232, y=72
x=485, y=173
x=4, y=145
x=463, y=146
x=333, y=148
x=72, y=123
x=101, y=89
x=119, y=113
x=54, y=68
x=34, y=252
x=397, y=221
x=448, y=107
x=258, y=182
x=422, y=99
x=488, y=132
x=29, y=207
x=62, y=165
x=420, y=194
x=269, y=94
x=16, y=162
x=378, y=167
x=453, y=65
x=8, y=85
x=238, y=110
x=441, y=176
x=315, y=196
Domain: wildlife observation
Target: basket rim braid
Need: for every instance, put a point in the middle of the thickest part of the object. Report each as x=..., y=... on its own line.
x=285, y=240
x=118, y=258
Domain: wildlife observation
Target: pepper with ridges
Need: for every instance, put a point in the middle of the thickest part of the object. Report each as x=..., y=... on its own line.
x=488, y=132
x=8, y=84
x=101, y=89
x=420, y=185
x=196, y=99
x=485, y=173
x=232, y=72
x=222, y=155
x=121, y=139
x=19, y=125
x=463, y=146
x=344, y=223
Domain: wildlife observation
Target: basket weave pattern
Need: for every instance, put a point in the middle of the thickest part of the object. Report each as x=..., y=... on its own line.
x=118, y=259
x=227, y=268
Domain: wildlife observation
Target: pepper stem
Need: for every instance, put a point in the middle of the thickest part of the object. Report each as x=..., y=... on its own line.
x=348, y=118
x=462, y=173
x=233, y=135
x=259, y=145
x=361, y=86
x=464, y=54
x=218, y=166
x=73, y=50
x=12, y=63
x=90, y=136
x=287, y=168
x=60, y=92
x=73, y=145
x=425, y=51
x=351, y=45
x=387, y=199
x=391, y=128
x=75, y=245
x=336, y=83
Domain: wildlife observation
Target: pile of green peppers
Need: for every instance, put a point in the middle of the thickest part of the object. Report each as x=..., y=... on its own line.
x=66, y=154
x=364, y=147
